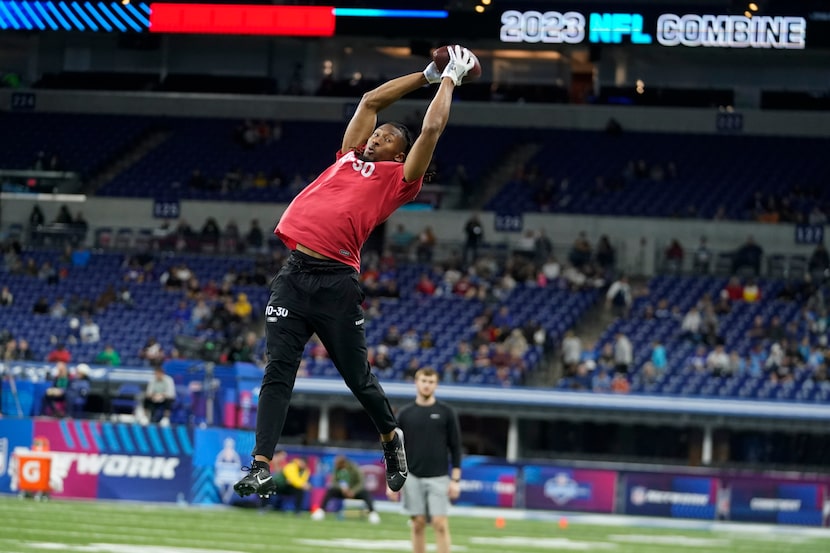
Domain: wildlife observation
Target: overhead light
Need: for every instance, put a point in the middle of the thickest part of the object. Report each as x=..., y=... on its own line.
x=486, y=2
x=640, y=86
x=748, y=13
x=523, y=54
x=753, y=6
x=479, y=9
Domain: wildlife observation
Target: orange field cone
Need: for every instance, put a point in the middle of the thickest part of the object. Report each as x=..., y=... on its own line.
x=500, y=522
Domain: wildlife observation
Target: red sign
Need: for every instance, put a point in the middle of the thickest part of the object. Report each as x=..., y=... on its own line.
x=242, y=19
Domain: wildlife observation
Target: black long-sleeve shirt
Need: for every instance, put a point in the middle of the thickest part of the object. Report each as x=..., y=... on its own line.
x=431, y=434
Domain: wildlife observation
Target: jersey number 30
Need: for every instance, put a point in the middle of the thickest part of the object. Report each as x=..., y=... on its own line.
x=366, y=168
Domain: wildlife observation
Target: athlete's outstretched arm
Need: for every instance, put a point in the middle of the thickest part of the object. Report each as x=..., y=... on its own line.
x=365, y=118
x=435, y=119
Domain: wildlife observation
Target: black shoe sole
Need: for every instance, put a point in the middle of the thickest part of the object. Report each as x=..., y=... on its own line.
x=244, y=489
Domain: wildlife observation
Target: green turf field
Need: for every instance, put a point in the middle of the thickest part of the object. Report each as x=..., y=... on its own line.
x=75, y=526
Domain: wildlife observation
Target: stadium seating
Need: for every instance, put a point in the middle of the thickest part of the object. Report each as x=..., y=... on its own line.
x=82, y=142
x=681, y=379
x=449, y=319
x=711, y=171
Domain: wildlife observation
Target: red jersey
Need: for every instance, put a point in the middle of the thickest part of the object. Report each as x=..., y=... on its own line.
x=335, y=214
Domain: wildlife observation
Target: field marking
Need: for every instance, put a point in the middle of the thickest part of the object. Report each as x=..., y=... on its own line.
x=543, y=543
x=683, y=541
x=123, y=548
x=370, y=545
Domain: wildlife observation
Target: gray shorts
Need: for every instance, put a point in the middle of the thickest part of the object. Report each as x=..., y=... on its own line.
x=426, y=496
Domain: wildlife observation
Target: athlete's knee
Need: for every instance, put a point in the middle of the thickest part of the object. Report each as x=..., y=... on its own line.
x=419, y=524
x=440, y=525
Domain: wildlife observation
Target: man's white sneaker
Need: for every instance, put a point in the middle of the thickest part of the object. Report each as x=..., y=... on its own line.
x=374, y=518
x=318, y=514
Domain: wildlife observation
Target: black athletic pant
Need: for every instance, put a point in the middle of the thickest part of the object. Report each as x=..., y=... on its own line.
x=311, y=295
x=337, y=492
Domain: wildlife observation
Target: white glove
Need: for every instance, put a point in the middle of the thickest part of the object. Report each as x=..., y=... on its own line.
x=432, y=73
x=461, y=61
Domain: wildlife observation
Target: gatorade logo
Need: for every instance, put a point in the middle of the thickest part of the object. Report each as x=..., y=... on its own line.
x=30, y=471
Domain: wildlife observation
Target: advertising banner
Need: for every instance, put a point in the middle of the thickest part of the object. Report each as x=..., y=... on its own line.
x=93, y=459
x=484, y=483
x=15, y=434
x=670, y=495
x=568, y=489
x=778, y=501
x=219, y=454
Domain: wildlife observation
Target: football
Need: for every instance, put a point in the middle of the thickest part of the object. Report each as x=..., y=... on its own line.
x=441, y=57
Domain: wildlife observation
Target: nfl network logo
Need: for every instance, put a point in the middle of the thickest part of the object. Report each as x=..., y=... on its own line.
x=562, y=489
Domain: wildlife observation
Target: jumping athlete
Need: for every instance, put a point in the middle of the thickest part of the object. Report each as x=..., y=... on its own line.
x=377, y=170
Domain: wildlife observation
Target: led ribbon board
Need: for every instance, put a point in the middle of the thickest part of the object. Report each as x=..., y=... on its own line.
x=226, y=19
x=718, y=31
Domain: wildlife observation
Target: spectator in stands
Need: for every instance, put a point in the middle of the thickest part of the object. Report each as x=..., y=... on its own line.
x=473, y=240
x=210, y=232
x=775, y=332
x=58, y=309
x=623, y=353
x=108, y=356
x=425, y=247
x=819, y=263
x=619, y=297
x=691, y=325
x=659, y=358
x=606, y=257
x=748, y=256
x=571, y=352
x=47, y=273
x=697, y=361
x=36, y=217
x=751, y=291
x=152, y=352
x=734, y=290
x=409, y=340
x=54, y=404
x=425, y=285
x=392, y=338
x=64, y=216
x=600, y=381
x=647, y=375
x=674, y=257
x=717, y=362
x=59, y=354
x=620, y=384
x=346, y=482
x=41, y=306
x=702, y=257
x=24, y=352
x=159, y=396
x=6, y=297
x=255, y=239
x=242, y=308
x=8, y=347
x=711, y=326
x=90, y=331
x=581, y=253
x=400, y=241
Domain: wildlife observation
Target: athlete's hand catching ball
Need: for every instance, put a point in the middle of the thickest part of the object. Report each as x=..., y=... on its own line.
x=441, y=57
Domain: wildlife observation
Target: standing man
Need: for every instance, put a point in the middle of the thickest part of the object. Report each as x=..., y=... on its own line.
x=377, y=170
x=434, y=436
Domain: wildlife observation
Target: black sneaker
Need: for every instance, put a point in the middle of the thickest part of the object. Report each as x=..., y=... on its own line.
x=395, y=457
x=258, y=481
